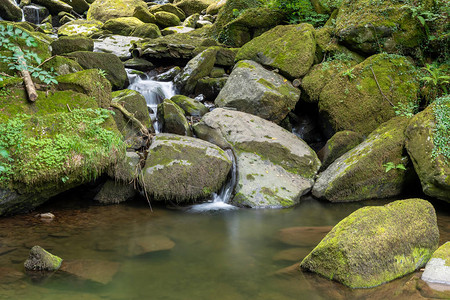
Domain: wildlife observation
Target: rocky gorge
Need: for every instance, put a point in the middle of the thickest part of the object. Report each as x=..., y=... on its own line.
x=177, y=102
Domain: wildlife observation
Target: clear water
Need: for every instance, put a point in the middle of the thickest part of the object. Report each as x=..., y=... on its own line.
x=227, y=254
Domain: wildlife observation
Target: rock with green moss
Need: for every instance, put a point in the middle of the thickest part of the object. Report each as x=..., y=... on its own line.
x=362, y=97
x=362, y=173
x=41, y=260
x=109, y=63
x=190, y=106
x=422, y=143
x=198, y=67
x=358, y=252
x=275, y=167
x=88, y=82
x=166, y=19
x=269, y=49
x=176, y=29
x=338, y=145
x=10, y=11
x=325, y=6
x=104, y=10
x=437, y=269
x=184, y=169
x=54, y=6
x=80, y=27
x=123, y=25
x=134, y=103
x=61, y=65
x=191, y=7
x=67, y=44
x=147, y=30
x=255, y=90
x=210, y=87
x=191, y=21
x=127, y=169
x=214, y=8
x=119, y=45
x=170, y=8
x=79, y=6
x=113, y=192
x=172, y=118
x=388, y=26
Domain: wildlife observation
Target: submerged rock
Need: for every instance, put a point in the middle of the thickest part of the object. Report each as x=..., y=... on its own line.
x=275, y=167
x=303, y=236
x=41, y=260
x=359, y=253
x=255, y=90
x=149, y=244
x=98, y=271
x=437, y=269
x=183, y=168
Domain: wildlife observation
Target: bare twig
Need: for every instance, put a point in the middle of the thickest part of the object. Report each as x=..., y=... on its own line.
x=4, y=74
x=68, y=107
x=46, y=60
x=130, y=116
x=384, y=96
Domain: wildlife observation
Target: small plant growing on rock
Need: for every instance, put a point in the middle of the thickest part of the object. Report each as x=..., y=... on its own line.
x=441, y=136
x=390, y=165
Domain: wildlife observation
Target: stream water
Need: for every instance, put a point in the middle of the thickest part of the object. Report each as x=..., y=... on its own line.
x=227, y=254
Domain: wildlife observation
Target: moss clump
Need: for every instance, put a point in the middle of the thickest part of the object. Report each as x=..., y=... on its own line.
x=122, y=26
x=110, y=9
x=173, y=119
x=190, y=106
x=80, y=27
x=68, y=44
x=166, y=19
x=62, y=65
x=42, y=260
x=358, y=251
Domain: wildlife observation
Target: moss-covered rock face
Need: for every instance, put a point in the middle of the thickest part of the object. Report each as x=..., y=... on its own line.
x=136, y=105
x=88, y=82
x=62, y=65
x=437, y=269
x=359, y=253
x=191, y=7
x=127, y=169
x=41, y=260
x=176, y=29
x=190, y=106
x=184, y=169
x=109, y=63
x=214, y=8
x=79, y=6
x=173, y=119
x=361, y=173
x=166, y=19
x=170, y=8
x=10, y=11
x=210, y=87
x=104, y=10
x=147, y=30
x=353, y=100
x=122, y=26
x=198, y=67
x=433, y=170
x=370, y=27
x=275, y=166
x=255, y=90
x=54, y=6
x=80, y=27
x=338, y=145
x=67, y=44
x=115, y=192
x=289, y=48
x=191, y=21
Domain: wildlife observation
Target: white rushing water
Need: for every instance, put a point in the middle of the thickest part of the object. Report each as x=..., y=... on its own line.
x=219, y=201
x=153, y=91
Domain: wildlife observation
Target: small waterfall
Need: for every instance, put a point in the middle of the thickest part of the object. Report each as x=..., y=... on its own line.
x=23, y=16
x=220, y=201
x=153, y=91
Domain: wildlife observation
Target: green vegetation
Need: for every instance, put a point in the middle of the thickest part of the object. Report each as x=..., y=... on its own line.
x=22, y=60
x=441, y=132
x=436, y=77
x=299, y=11
x=390, y=165
x=408, y=109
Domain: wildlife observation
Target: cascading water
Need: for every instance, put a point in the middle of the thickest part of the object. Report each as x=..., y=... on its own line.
x=220, y=201
x=153, y=91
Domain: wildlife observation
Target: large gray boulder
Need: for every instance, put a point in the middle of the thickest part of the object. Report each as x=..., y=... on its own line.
x=254, y=90
x=437, y=269
x=377, y=244
x=10, y=11
x=362, y=172
x=275, y=167
x=54, y=6
x=184, y=169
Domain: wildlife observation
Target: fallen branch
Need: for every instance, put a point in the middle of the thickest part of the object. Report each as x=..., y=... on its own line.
x=46, y=60
x=130, y=116
x=384, y=96
x=29, y=84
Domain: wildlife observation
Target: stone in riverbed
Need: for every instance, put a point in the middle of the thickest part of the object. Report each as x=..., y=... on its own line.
x=437, y=269
x=166, y=19
x=115, y=192
x=80, y=27
x=88, y=269
x=172, y=118
x=190, y=106
x=377, y=244
x=10, y=11
x=291, y=254
x=149, y=244
x=68, y=44
x=118, y=45
x=41, y=260
x=109, y=9
x=303, y=236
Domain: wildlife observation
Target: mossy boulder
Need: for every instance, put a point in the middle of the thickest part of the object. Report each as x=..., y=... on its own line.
x=198, y=67
x=190, y=106
x=339, y=144
x=88, y=82
x=361, y=173
x=172, y=118
x=210, y=87
x=170, y=8
x=126, y=170
x=214, y=8
x=388, y=26
x=118, y=45
x=113, y=192
x=134, y=103
x=10, y=11
x=123, y=25
x=104, y=10
x=147, y=31
x=255, y=90
x=62, y=65
x=166, y=19
x=353, y=100
x=41, y=260
x=54, y=6
x=270, y=49
x=432, y=168
x=275, y=166
x=80, y=27
x=359, y=253
x=325, y=6
x=176, y=29
x=184, y=169
x=109, y=63
x=67, y=44
x=191, y=21
x=191, y=7
x=437, y=269
x=79, y=6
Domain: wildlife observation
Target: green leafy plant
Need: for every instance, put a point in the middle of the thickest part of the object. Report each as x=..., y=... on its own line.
x=390, y=165
x=299, y=11
x=4, y=155
x=349, y=73
x=102, y=73
x=437, y=77
x=408, y=109
x=441, y=136
x=22, y=60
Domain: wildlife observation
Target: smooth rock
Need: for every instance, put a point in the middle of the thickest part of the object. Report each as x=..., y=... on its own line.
x=98, y=271
x=437, y=269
